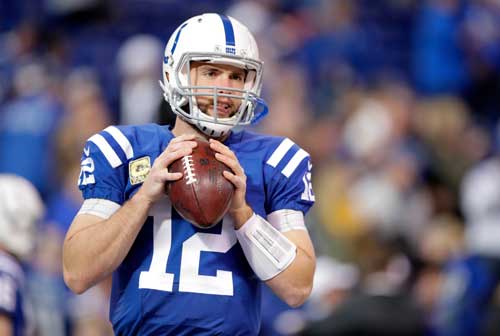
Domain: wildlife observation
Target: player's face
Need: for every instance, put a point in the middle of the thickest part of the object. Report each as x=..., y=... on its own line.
x=219, y=75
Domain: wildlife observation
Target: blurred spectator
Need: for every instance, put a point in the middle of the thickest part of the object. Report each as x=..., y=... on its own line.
x=381, y=297
x=21, y=209
x=49, y=294
x=440, y=241
x=439, y=64
x=472, y=279
x=481, y=27
x=89, y=311
x=334, y=56
x=453, y=142
x=256, y=15
x=139, y=59
x=60, y=312
x=288, y=101
x=373, y=181
x=27, y=124
x=86, y=113
x=333, y=281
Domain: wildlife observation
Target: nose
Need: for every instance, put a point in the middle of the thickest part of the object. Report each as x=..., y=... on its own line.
x=223, y=82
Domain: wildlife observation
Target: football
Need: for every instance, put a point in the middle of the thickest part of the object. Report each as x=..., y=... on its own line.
x=203, y=195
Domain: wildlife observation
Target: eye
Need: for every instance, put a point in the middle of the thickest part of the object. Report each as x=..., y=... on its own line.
x=238, y=77
x=210, y=73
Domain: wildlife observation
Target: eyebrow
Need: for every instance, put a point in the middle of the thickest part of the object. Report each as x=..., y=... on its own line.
x=242, y=72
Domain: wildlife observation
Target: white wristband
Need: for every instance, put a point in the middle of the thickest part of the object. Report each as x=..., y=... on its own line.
x=267, y=250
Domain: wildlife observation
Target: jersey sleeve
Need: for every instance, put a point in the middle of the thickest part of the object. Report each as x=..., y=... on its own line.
x=8, y=294
x=288, y=178
x=103, y=172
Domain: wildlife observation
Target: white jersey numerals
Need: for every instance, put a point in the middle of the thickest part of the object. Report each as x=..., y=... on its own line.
x=87, y=170
x=308, y=194
x=156, y=277
x=189, y=280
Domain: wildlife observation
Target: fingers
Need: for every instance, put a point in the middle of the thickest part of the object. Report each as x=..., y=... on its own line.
x=154, y=186
x=237, y=174
x=237, y=181
x=172, y=154
x=220, y=147
x=226, y=156
x=177, y=143
x=161, y=175
x=165, y=175
x=178, y=147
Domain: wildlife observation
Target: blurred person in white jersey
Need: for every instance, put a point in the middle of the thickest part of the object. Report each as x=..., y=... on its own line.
x=20, y=210
x=472, y=280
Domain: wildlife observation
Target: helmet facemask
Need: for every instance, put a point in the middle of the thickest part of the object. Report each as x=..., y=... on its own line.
x=182, y=93
x=215, y=39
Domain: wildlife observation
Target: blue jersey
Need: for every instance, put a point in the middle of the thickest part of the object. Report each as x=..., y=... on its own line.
x=178, y=279
x=12, y=294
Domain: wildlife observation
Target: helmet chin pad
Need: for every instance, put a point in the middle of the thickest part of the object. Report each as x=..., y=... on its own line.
x=212, y=125
x=205, y=122
x=211, y=129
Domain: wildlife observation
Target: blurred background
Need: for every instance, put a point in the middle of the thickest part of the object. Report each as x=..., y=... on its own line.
x=397, y=101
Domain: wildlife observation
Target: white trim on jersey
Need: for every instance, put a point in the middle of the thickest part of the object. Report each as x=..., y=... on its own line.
x=121, y=139
x=8, y=297
x=280, y=152
x=8, y=265
x=286, y=219
x=99, y=207
x=294, y=162
x=106, y=149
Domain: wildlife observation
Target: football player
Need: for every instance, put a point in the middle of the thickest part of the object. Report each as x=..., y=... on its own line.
x=171, y=277
x=472, y=279
x=20, y=210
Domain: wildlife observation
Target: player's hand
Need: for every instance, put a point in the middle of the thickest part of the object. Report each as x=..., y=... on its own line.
x=153, y=187
x=239, y=207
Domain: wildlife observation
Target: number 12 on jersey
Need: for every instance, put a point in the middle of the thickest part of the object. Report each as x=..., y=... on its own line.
x=189, y=278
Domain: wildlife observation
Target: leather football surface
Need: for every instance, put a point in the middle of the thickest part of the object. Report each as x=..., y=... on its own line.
x=203, y=195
